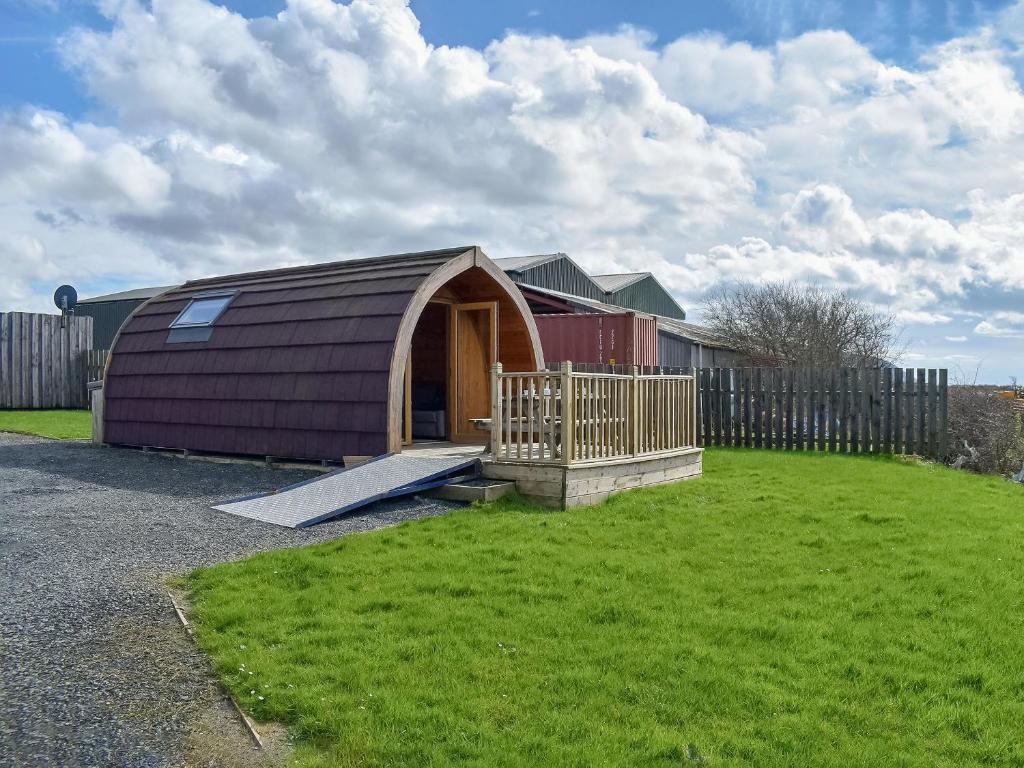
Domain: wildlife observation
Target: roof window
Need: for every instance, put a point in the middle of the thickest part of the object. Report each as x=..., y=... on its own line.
x=203, y=310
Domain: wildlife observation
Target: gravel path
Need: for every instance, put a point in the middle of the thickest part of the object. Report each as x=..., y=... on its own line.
x=94, y=668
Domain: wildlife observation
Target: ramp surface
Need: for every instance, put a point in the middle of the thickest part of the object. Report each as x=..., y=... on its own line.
x=313, y=501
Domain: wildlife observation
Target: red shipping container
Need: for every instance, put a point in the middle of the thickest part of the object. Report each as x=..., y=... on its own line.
x=622, y=338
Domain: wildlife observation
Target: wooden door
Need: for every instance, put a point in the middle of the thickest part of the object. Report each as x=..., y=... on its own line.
x=473, y=349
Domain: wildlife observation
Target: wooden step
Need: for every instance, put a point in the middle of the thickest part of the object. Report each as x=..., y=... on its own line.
x=480, y=489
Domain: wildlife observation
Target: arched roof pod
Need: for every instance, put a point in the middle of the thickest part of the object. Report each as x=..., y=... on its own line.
x=304, y=362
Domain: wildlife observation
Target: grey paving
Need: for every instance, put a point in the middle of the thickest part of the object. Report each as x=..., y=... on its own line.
x=321, y=498
x=94, y=669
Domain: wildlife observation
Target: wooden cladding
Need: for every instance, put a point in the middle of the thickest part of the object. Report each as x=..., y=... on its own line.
x=43, y=360
x=839, y=410
x=570, y=417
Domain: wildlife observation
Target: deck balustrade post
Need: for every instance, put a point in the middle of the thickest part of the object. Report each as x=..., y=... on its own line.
x=634, y=411
x=496, y=411
x=568, y=430
x=694, y=394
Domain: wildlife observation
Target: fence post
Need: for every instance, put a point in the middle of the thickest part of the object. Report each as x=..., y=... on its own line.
x=943, y=413
x=96, y=406
x=933, y=416
x=910, y=438
x=922, y=424
x=568, y=414
x=496, y=410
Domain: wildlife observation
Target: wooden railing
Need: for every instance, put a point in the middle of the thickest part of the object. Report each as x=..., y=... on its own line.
x=96, y=361
x=568, y=417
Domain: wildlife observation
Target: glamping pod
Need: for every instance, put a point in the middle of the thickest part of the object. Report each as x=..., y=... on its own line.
x=352, y=358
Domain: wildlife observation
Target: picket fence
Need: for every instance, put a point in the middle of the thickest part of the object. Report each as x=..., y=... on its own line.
x=839, y=410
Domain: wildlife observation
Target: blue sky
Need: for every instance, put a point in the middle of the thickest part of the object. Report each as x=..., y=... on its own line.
x=869, y=146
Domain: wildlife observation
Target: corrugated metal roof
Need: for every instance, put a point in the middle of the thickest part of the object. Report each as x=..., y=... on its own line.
x=617, y=282
x=697, y=333
x=579, y=301
x=517, y=263
x=555, y=271
x=640, y=290
x=133, y=295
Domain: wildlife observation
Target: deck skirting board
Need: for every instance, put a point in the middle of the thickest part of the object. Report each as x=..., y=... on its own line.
x=575, y=485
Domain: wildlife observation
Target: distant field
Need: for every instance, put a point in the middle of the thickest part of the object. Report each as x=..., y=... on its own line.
x=785, y=610
x=62, y=424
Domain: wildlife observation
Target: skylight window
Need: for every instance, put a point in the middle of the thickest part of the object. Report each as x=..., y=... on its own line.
x=203, y=310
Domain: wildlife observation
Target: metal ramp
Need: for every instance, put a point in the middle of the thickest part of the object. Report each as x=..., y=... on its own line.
x=321, y=498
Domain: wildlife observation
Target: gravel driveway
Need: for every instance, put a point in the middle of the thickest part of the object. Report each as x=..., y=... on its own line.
x=94, y=668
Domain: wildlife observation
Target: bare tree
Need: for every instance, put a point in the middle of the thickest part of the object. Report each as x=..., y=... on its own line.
x=802, y=325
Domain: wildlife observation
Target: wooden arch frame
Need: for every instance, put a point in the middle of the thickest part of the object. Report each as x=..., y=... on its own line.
x=473, y=257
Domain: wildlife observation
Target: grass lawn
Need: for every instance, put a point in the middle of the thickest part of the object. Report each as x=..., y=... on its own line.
x=63, y=424
x=785, y=610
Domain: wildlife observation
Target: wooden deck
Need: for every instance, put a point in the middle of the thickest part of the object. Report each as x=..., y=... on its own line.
x=593, y=481
x=572, y=437
x=444, y=448
x=569, y=485
x=569, y=438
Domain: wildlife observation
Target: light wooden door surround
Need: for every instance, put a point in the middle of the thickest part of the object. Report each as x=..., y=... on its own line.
x=473, y=348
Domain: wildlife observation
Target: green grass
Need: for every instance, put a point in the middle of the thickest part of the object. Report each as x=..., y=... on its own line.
x=62, y=424
x=785, y=610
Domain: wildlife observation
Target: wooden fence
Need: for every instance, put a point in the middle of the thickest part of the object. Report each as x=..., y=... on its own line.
x=43, y=361
x=570, y=417
x=842, y=410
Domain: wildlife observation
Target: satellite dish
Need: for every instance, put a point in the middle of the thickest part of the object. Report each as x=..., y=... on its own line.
x=65, y=297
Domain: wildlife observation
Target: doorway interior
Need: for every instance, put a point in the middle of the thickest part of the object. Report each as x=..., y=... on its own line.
x=447, y=382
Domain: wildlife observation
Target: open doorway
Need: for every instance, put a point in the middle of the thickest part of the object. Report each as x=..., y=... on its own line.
x=448, y=384
x=427, y=377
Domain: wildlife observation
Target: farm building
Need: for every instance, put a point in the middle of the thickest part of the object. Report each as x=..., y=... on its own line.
x=352, y=358
x=109, y=312
x=685, y=345
x=639, y=291
x=556, y=271
x=554, y=284
x=679, y=344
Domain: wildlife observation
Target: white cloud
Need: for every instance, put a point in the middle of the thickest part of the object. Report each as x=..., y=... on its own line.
x=1002, y=324
x=222, y=143
x=956, y=339
x=823, y=217
x=922, y=317
x=716, y=77
x=48, y=159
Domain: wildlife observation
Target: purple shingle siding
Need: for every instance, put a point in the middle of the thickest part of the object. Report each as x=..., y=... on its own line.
x=297, y=365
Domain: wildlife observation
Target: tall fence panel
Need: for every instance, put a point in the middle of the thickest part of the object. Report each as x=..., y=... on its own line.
x=44, y=360
x=843, y=410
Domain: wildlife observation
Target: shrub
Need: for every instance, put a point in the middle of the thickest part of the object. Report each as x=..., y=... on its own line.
x=985, y=432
